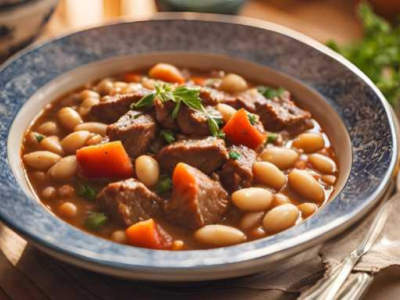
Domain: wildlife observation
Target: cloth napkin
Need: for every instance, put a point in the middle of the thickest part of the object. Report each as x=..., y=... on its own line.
x=27, y=273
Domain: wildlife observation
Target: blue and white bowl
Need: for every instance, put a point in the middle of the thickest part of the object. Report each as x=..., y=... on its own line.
x=21, y=21
x=351, y=109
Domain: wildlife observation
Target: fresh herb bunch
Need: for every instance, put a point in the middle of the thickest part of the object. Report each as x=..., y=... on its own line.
x=189, y=96
x=378, y=54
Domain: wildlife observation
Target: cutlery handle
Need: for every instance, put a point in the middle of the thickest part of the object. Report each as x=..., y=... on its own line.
x=328, y=287
x=356, y=287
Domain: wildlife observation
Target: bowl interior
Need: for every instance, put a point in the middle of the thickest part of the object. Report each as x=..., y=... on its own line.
x=305, y=96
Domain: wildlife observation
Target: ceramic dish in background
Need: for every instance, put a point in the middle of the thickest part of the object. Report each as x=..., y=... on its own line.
x=352, y=110
x=21, y=21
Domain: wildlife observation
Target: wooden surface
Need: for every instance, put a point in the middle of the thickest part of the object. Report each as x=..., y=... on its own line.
x=26, y=273
x=322, y=20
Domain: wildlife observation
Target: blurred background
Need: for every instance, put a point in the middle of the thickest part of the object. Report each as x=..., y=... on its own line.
x=364, y=31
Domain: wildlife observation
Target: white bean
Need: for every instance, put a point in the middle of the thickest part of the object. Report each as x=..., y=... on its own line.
x=322, y=163
x=226, y=111
x=48, y=192
x=252, y=199
x=219, y=235
x=233, y=83
x=94, y=140
x=87, y=104
x=69, y=118
x=283, y=158
x=251, y=220
x=75, y=141
x=309, y=142
x=41, y=160
x=147, y=170
x=280, y=199
x=52, y=144
x=48, y=128
x=88, y=93
x=306, y=185
x=280, y=218
x=94, y=127
x=119, y=236
x=68, y=209
x=39, y=176
x=307, y=209
x=105, y=86
x=64, y=169
x=269, y=175
x=66, y=190
x=329, y=179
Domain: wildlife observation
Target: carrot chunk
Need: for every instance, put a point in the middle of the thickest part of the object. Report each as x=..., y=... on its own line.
x=184, y=179
x=132, y=77
x=108, y=160
x=148, y=234
x=166, y=72
x=240, y=131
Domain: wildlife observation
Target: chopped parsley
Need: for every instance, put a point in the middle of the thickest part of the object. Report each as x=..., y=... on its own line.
x=272, y=137
x=39, y=137
x=221, y=134
x=271, y=93
x=95, y=220
x=86, y=191
x=252, y=119
x=164, y=185
x=167, y=135
x=234, y=155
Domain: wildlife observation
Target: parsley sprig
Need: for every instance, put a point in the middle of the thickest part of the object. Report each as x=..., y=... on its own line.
x=377, y=54
x=189, y=96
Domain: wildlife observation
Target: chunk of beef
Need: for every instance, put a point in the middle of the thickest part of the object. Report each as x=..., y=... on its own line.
x=281, y=113
x=205, y=154
x=129, y=201
x=164, y=114
x=237, y=174
x=192, y=122
x=212, y=97
x=111, y=109
x=196, y=205
x=135, y=130
x=275, y=114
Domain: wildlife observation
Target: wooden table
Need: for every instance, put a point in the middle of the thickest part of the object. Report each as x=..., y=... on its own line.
x=26, y=273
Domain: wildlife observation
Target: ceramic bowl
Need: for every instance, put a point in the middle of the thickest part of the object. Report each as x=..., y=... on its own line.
x=351, y=109
x=21, y=21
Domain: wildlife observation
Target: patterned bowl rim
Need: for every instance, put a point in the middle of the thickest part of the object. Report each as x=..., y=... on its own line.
x=197, y=264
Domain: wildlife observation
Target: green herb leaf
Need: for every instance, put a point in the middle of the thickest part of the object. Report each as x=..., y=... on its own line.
x=86, y=191
x=234, y=155
x=164, y=185
x=39, y=137
x=95, y=220
x=220, y=134
x=252, y=119
x=270, y=93
x=176, y=110
x=272, y=137
x=377, y=54
x=167, y=135
x=146, y=101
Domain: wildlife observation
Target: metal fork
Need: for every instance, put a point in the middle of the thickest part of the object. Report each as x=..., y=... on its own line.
x=329, y=287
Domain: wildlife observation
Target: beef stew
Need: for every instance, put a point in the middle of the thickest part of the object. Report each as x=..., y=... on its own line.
x=178, y=159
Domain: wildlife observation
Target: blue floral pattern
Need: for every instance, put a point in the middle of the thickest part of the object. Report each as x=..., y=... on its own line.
x=361, y=107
